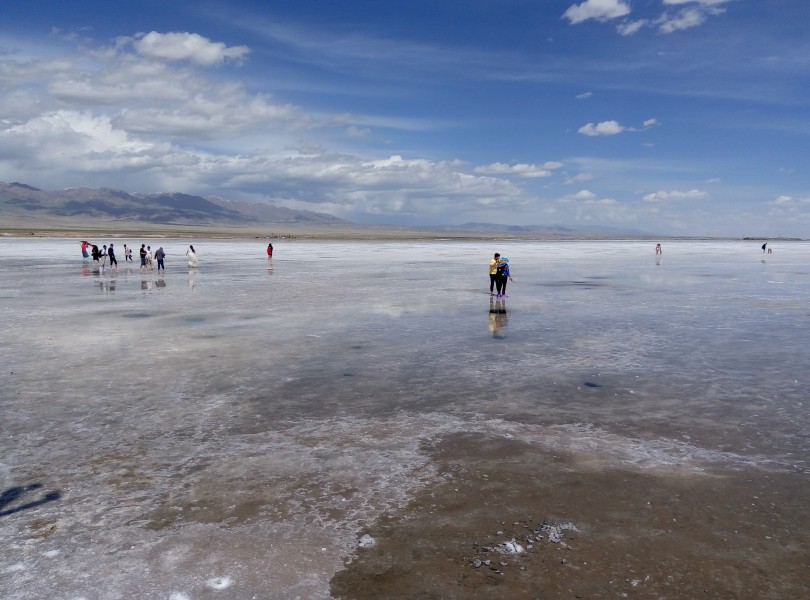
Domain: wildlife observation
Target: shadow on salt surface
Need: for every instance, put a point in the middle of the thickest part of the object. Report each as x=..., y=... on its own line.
x=13, y=495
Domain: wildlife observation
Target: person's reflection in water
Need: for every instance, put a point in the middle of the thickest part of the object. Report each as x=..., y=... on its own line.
x=658, y=259
x=498, y=318
x=192, y=278
x=160, y=283
x=146, y=284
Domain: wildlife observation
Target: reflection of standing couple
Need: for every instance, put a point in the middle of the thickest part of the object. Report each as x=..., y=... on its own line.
x=498, y=317
x=499, y=275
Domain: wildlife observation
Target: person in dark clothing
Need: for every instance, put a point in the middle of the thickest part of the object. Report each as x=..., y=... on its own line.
x=159, y=256
x=143, y=256
x=503, y=277
x=111, y=256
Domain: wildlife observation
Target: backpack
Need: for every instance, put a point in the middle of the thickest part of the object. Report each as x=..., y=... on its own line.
x=502, y=268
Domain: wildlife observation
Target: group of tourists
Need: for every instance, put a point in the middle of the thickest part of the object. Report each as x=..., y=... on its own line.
x=498, y=275
x=101, y=256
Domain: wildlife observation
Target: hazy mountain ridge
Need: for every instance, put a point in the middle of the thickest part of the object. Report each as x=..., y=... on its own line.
x=22, y=205
x=24, y=201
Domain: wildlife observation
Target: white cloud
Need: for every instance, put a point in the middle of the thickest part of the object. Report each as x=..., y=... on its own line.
x=521, y=169
x=694, y=13
x=186, y=46
x=580, y=196
x=685, y=19
x=603, y=128
x=700, y=2
x=662, y=196
x=584, y=95
x=580, y=177
x=613, y=128
x=120, y=117
x=631, y=27
x=600, y=10
x=791, y=201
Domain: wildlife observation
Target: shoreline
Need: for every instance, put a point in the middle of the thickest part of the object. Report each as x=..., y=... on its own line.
x=345, y=233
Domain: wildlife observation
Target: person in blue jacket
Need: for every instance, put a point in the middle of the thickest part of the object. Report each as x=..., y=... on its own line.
x=502, y=277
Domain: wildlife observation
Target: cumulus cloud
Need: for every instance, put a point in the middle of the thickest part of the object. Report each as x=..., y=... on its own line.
x=603, y=128
x=521, y=169
x=599, y=10
x=145, y=115
x=613, y=128
x=580, y=196
x=662, y=196
x=186, y=46
x=791, y=201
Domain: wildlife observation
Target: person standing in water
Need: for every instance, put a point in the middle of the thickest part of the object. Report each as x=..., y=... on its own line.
x=765, y=245
x=143, y=256
x=159, y=256
x=269, y=250
x=111, y=255
x=85, y=246
x=503, y=277
x=659, y=249
x=192, y=256
x=493, y=273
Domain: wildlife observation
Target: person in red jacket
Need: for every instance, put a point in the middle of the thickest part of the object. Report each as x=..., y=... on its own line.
x=269, y=250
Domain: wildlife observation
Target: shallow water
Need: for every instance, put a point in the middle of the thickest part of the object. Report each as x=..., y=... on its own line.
x=240, y=425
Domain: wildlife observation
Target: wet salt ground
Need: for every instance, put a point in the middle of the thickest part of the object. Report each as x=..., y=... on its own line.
x=231, y=431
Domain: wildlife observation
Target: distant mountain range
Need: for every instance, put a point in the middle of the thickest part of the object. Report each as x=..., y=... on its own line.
x=23, y=203
x=555, y=230
x=24, y=206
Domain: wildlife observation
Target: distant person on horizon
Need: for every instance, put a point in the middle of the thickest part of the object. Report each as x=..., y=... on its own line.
x=493, y=273
x=765, y=245
x=269, y=250
x=659, y=249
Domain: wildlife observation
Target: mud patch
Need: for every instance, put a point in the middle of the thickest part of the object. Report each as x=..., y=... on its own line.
x=510, y=520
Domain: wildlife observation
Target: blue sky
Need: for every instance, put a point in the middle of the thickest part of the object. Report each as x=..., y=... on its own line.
x=679, y=117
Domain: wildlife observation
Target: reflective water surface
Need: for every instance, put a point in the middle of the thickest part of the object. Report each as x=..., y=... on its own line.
x=238, y=426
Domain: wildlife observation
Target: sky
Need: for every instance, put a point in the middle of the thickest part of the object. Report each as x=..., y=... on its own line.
x=672, y=117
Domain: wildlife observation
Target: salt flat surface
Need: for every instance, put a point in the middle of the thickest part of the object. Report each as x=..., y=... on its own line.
x=231, y=430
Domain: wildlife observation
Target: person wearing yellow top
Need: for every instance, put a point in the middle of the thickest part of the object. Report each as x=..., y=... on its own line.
x=493, y=273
